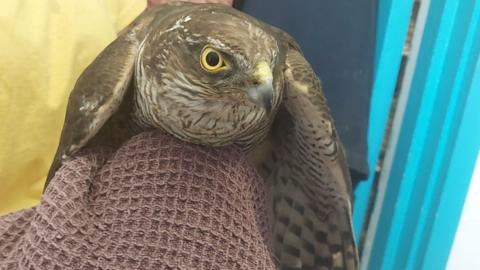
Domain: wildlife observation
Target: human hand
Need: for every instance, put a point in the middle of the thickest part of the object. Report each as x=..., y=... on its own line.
x=153, y=3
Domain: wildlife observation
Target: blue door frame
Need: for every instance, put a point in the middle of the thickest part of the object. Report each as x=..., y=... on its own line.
x=435, y=138
x=393, y=19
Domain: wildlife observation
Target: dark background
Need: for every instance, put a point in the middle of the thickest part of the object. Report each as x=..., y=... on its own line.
x=338, y=39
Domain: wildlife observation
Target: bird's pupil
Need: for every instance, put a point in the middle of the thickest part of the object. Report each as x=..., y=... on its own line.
x=212, y=59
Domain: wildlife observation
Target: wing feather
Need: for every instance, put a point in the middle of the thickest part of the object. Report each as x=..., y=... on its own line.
x=99, y=91
x=311, y=183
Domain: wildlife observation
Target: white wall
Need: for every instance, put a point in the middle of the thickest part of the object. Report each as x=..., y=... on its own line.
x=465, y=253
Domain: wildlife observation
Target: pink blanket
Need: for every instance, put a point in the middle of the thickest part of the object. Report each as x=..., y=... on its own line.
x=155, y=203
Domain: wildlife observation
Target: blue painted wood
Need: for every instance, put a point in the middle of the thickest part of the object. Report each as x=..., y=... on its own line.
x=421, y=146
x=458, y=176
x=427, y=139
x=383, y=12
x=454, y=93
x=394, y=14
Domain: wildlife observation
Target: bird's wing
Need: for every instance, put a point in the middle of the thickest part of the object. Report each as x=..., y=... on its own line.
x=312, y=189
x=99, y=91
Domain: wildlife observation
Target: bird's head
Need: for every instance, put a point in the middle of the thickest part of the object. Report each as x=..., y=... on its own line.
x=209, y=74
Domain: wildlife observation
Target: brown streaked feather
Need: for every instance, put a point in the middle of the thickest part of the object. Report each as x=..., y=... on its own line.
x=311, y=183
x=99, y=92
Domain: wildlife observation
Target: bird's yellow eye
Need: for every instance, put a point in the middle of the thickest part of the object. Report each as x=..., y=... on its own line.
x=211, y=60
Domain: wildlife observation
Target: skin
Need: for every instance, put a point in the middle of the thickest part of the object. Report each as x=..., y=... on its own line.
x=154, y=3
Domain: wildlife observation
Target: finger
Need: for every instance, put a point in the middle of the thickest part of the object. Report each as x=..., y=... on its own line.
x=154, y=3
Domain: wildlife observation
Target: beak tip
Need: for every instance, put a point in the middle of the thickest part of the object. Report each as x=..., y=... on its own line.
x=268, y=104
x=262, y=97
x=262, y=92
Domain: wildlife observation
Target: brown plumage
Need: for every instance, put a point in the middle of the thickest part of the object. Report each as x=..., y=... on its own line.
x=211, y=75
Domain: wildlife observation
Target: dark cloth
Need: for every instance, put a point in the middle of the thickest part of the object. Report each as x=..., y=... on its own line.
x=155, y=203
x=338, y=39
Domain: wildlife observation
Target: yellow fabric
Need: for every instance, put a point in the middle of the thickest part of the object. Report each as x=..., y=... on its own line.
x=44, y=46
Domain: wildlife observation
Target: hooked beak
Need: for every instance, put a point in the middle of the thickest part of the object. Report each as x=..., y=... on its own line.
x=262, y=92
